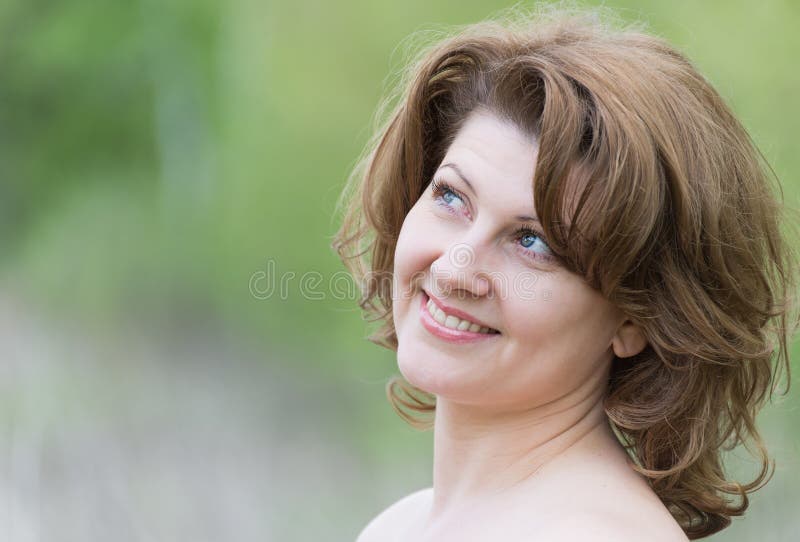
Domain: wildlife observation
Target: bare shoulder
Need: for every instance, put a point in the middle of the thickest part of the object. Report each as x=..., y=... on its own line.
x=390, y=524
x=602, y=528
x=609, y=503
x=620, y=521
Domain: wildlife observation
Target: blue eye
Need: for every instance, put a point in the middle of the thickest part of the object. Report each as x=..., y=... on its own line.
x=446, y=195
x=533, y=243
x=449, y=197
x=528, y=240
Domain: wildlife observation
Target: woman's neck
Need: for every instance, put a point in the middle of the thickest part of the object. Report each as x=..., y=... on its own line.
x=479, y=454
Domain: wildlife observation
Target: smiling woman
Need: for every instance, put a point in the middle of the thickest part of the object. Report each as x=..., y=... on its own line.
x=591, y=294
x=538, y=351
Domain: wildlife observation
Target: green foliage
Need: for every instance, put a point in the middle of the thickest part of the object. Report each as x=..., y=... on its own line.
x=154, y=156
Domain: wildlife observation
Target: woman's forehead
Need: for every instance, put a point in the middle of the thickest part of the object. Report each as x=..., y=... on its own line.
x=485, y=128
x=490, y=150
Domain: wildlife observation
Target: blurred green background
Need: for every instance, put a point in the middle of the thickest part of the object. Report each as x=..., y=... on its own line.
x=158, y=160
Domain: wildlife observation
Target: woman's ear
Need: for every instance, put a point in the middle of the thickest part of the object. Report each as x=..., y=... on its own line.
x=629, y=340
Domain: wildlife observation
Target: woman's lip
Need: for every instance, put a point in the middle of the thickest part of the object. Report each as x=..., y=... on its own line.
x=455, y=312
x=446, y=333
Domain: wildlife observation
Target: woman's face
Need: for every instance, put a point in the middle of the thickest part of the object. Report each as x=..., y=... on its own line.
x=467, y=246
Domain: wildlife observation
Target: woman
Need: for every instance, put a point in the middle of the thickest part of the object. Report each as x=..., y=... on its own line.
x=588, y=288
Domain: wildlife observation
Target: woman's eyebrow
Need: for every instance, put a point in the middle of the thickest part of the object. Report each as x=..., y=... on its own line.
x=459, y=173
x=521, y=218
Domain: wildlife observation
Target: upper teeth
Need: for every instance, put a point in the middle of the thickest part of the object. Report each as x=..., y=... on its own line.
x=454, y=322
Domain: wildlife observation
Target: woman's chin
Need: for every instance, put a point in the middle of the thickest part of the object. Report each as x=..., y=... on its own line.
x=414, y=372
x=423, y=370
x=417, y=369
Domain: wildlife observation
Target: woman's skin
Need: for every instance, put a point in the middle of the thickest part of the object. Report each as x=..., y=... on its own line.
x=522, y=447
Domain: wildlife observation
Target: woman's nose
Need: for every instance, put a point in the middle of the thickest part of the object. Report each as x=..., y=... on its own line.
x=458, y=272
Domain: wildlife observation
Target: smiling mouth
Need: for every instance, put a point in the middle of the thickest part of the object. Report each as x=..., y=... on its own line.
x=458, y=323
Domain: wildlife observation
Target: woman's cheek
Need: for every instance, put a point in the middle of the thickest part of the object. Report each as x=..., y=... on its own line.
x=416, y=247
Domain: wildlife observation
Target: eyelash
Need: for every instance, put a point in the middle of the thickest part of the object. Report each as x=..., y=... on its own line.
x=440, y=188
x=522, y=232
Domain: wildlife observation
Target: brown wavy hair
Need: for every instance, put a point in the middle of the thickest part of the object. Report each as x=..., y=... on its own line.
x=648, y=187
